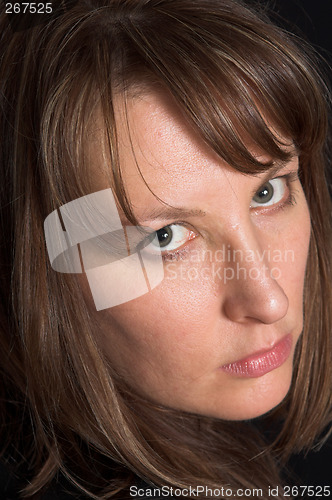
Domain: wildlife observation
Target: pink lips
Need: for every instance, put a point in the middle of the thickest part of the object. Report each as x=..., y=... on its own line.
x=261, y=363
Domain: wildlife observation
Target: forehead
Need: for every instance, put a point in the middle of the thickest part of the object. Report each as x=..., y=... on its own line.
x=153, y=138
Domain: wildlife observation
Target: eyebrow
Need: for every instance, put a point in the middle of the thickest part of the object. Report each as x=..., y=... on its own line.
x=170, y=213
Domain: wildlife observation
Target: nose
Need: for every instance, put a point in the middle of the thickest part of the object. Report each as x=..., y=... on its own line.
x=254, y=293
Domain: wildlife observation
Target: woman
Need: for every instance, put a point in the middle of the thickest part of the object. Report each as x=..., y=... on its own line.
x=175, y=329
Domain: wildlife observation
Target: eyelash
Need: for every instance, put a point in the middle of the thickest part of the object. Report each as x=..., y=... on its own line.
x=290, y=201
x=290, y=179
x=175, y=254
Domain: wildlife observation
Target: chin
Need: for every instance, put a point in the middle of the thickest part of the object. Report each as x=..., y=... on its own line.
x=259, y=396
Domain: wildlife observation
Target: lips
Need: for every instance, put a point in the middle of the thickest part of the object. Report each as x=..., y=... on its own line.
x=259, y=364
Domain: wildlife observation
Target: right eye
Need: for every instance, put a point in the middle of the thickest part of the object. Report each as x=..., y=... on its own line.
x=172, y=237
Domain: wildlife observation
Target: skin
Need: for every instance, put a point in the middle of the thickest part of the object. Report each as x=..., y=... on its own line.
x=171, y=343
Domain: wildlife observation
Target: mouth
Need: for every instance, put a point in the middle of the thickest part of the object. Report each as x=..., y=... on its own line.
x=258, y=364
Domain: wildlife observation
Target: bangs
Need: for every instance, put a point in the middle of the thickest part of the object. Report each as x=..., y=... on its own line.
x=238, y=84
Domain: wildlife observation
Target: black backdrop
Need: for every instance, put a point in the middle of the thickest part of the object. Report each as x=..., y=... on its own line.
x=310, y=18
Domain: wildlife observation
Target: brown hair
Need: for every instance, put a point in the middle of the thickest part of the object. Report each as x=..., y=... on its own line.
x=63, y=407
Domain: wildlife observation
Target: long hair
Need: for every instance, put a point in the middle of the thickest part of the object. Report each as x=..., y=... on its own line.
x=63, y=406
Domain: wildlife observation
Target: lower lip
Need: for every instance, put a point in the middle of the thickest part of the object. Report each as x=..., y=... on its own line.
x=260, y=364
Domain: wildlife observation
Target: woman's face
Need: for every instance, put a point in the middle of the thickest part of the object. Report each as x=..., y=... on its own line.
x=217, y=336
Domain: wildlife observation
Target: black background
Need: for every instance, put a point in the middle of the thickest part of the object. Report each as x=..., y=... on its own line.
x=311, y=19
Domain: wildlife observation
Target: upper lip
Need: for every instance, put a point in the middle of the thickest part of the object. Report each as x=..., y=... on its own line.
x=257, y=353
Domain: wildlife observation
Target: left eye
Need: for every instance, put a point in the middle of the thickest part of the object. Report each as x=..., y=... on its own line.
x=171, y=237
x=271, y=193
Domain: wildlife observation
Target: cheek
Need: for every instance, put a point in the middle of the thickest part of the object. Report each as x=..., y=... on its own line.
x=165, y=336
x=296, y=249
